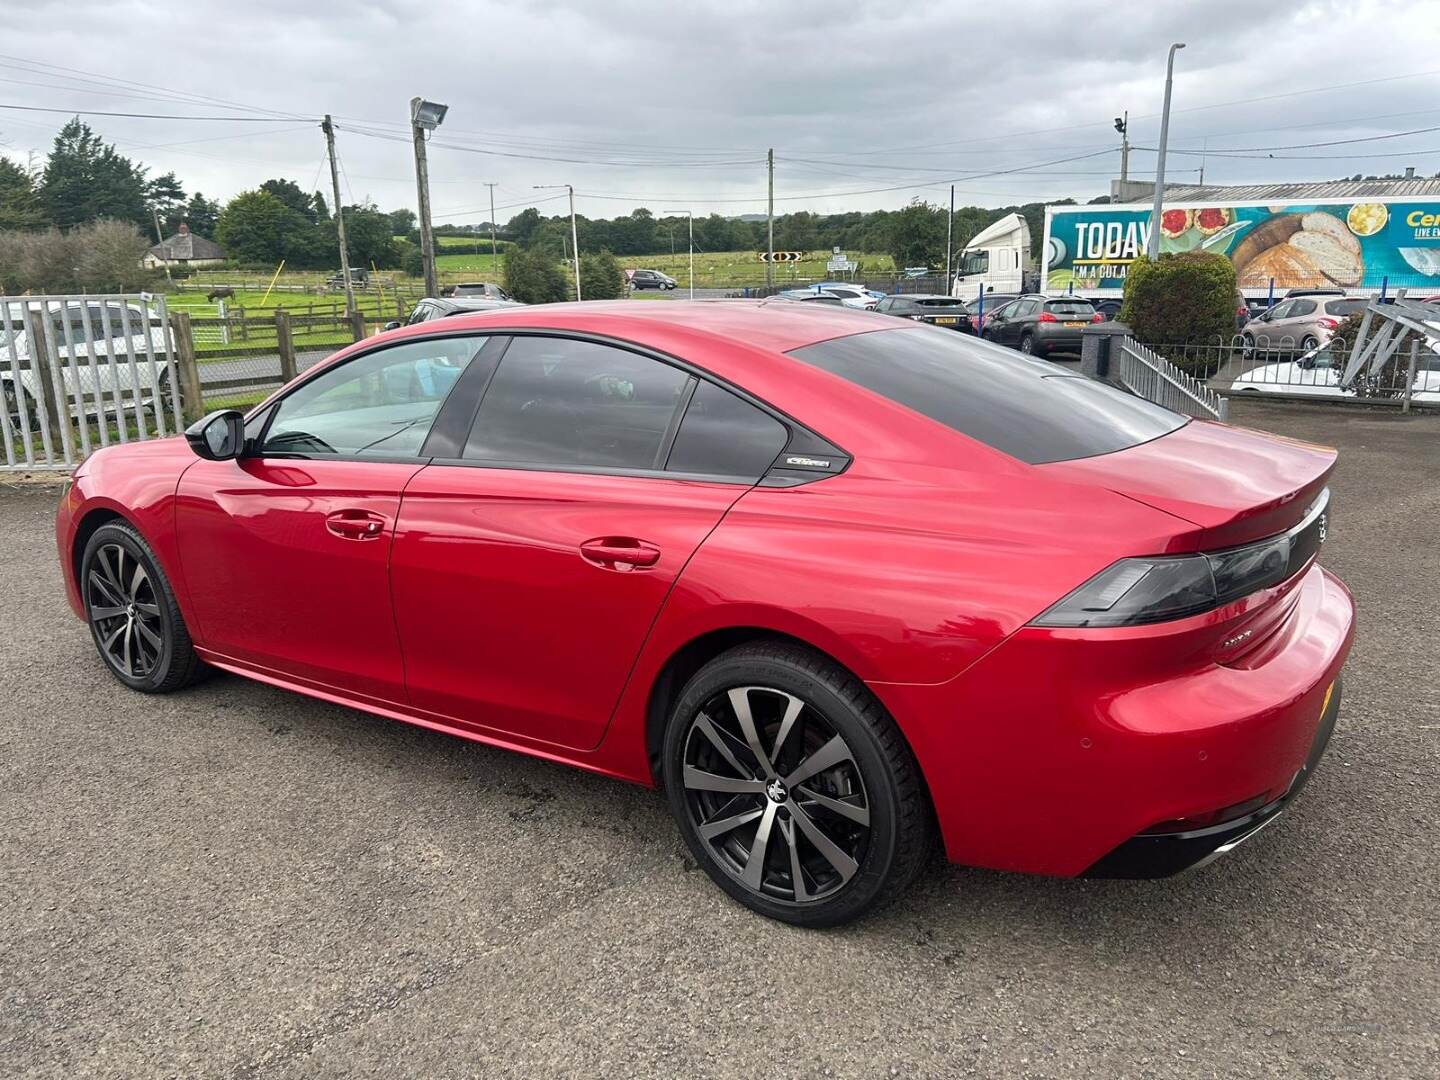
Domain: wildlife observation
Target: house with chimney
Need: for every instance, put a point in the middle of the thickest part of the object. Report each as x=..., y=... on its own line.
x=184, y=250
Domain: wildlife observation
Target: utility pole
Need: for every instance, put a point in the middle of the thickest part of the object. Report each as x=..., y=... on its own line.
x=425, y=116
x=690, y=217
x=949, y=233
x=1122, y=125
x=770, y=221
x=329, y=128
x=1153, y=247
x=160, y=239
x=494, y=248
x=574, y=234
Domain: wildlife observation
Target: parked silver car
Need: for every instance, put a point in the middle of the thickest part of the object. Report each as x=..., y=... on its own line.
x=1298, y=324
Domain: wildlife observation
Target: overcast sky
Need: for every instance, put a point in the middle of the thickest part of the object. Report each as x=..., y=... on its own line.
x=672, y=105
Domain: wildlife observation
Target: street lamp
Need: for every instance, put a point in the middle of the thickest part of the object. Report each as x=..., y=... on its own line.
x=1153, y=247
x=690, y=217
x=425, y=116
x=574, y=235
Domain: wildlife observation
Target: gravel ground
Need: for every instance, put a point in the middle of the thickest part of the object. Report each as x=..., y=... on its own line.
x=240, y=882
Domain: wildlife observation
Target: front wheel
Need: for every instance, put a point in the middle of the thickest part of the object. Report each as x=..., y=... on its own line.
x=133, y=616
x=1247, y=346
x=1309, y=343
x=793, y=788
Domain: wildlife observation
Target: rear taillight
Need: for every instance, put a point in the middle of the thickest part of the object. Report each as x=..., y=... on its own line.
x=1045, y=316
x=1330, y=324
x=1097, y=317
x=1133, y=592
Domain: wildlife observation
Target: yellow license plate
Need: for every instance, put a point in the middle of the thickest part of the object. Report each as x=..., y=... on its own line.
x=1074, y=325
x=946, y=321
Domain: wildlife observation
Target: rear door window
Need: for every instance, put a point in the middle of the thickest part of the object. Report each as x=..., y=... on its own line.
x=1029, y=409
x=561, y=401
x=724, y=435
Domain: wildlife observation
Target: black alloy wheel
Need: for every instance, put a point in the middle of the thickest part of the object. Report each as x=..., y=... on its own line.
x=134, y=619
x=793, y=788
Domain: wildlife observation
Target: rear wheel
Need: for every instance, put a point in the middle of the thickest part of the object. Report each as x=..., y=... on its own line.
x=133, y=616
x=1027, y=344
x=793, y=788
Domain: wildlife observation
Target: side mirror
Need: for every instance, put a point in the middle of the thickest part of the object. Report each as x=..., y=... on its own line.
x=394, y=324
x=219, y=436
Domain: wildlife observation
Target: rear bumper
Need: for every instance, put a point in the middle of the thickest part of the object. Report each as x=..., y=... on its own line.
x=1158, y=855
x=1059, y=747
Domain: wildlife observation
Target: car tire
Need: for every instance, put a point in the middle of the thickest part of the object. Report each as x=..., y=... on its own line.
x=855, y=832
x=1027, y=345
x=133, y=616
x=1247, y=346
x=1308, y=342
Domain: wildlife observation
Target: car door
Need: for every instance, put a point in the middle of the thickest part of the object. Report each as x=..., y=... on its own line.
x=1267, y=329
x=534, y=552
x=1300, y=323
x=286, y=550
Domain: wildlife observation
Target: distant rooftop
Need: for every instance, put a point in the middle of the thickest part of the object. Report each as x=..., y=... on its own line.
x=185, y=246
x=1143, y=191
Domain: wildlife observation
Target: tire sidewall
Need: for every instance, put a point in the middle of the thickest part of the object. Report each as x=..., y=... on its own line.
x=125, y=538
x=880, y=787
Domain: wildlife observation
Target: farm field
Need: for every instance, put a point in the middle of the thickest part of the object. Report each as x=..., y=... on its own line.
x=719, y=269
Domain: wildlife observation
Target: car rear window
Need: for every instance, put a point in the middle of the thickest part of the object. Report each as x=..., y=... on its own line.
x=1345, y=307
x=1029, y=409
x=937, y=301
x=1069, y=307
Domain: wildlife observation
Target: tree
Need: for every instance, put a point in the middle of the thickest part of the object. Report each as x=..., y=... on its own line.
x=19, y=203
x=85, y=180
x=401, y=222
x=256, y=227
x=601, y=277
x=917, y=236
x=522, y=226
x=532, y=277
x=102, y=256
x=166, y=198
x=202, y=214
x=797, y=232
x=289, y=193
x=368, y=237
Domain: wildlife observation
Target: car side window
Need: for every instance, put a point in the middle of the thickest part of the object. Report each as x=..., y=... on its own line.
x=722, y=434
x=562, y=401
x=1302, y=307
x=419, y=315
x=1281, y=310
x=380, y=403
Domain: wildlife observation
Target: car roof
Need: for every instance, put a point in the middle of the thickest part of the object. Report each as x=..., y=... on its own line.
x=471, y=303
x=923, y=296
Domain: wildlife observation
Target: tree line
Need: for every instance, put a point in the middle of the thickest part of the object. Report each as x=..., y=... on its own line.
x=85, y=180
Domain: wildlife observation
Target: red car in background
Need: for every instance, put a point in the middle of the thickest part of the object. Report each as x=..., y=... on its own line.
x=835, y=583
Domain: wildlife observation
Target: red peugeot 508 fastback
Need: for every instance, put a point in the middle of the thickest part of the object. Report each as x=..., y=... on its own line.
x=834, y=580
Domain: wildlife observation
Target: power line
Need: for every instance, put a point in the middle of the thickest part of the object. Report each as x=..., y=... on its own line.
x=154, y=116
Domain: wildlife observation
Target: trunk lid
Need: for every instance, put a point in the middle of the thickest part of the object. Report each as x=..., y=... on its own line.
x=1236, y=485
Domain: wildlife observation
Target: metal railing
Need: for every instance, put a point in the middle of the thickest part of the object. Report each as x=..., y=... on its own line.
x=82, y=372
x=1147, y=374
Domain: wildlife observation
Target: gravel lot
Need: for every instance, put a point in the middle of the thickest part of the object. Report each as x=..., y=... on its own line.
x=240, y=882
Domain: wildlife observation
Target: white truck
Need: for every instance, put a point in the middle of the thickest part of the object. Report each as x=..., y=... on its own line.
x=997, y=259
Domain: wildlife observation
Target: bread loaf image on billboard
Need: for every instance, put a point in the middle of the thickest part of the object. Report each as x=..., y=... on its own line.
x=1298, y=250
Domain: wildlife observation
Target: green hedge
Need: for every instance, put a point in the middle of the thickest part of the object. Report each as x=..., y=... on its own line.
x=1182, y=299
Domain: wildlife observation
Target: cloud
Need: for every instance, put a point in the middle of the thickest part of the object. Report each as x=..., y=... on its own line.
x=675, y=104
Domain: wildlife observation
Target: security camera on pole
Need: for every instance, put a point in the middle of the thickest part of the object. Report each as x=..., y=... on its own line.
x=425, y=116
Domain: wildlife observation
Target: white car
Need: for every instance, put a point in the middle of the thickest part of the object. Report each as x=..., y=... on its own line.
x=1318, y=373
x=855, y=296
x=95, y=342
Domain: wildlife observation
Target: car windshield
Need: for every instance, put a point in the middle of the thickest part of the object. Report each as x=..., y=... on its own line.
x=1030, y=409
x=974, y=262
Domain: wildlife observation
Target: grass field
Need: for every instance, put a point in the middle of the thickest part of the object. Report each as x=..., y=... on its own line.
x=713, y=270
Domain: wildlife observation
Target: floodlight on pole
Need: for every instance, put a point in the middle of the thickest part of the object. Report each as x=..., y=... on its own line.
x=690, y=217
x=574, y=234
x=425, y=116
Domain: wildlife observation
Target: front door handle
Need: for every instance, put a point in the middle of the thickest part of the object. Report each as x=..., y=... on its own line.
x=623, y=553
x=355, y=524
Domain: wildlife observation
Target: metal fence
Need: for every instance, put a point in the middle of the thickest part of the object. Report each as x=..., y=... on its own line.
x=1147, y=374
x=82, y=372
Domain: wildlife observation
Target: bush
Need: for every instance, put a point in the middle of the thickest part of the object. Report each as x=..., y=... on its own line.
x=410, y=258
x=532, y=277
x=1389, y=381
x=103, y=256
x=1183, y=299
x=601, y=277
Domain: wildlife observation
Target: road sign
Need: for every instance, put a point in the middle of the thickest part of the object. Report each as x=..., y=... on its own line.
x=840, y=264
x=782, y=256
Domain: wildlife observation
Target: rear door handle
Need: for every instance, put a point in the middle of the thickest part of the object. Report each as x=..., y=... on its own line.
x=355, y=524
x=623, y=553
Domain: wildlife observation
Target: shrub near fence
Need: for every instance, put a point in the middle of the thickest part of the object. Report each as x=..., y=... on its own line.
x=1182, y=298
